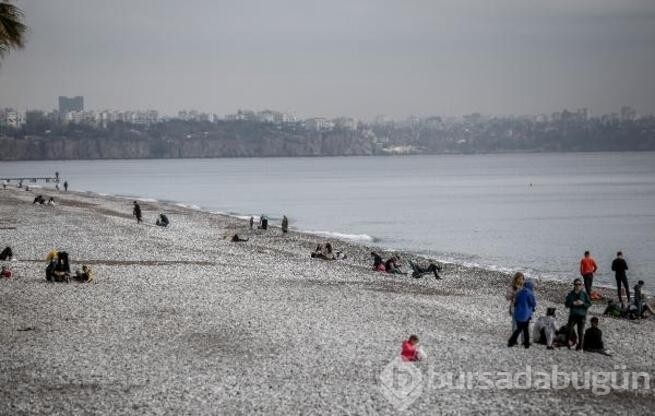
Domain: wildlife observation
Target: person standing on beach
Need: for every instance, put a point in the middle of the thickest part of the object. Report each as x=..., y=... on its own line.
x=510, y=295
x=578, y=302
x=65, y=186
x=619, y=266
x=525, y=304
x=137, y=212
x=285, y=224
x=252, y=221
x=587, y=269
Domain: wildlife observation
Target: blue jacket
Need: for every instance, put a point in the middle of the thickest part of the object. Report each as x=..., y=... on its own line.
x=524, y=303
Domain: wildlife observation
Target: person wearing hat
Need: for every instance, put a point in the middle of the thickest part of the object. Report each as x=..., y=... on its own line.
x=545, y=329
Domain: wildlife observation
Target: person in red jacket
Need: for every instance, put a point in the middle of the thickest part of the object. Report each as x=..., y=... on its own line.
x=409, y=351
x=587, y=269
x=6, y=272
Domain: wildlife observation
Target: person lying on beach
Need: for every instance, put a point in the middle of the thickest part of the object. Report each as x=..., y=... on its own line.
x=236, y=239
x=85, y=276
x=545, y=329
x=614, y=310
x=6, y=272
x=418, y=271
x=162, y=221
x=318, y=251
x=378, y=264
x=38, y=200
x=593, y=339
x=392, y=266
x=410, y=350
x=6, y=254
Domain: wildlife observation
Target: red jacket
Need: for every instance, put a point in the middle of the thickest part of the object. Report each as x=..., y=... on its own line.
x=587, y=265
x=408, y=351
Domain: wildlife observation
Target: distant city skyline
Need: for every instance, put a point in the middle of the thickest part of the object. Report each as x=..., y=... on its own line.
x=355, y=59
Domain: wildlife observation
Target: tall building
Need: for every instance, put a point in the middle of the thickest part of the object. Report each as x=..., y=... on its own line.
x=68, y=104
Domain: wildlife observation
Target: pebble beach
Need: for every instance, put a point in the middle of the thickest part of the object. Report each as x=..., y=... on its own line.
x=180, y=320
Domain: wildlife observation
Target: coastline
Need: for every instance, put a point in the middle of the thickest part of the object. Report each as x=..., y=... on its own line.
x=257, y=326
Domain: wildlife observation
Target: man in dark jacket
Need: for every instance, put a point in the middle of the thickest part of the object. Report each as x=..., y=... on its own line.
x=593, y=339
x=619, y=266
x=137, y=212
x=578, y=302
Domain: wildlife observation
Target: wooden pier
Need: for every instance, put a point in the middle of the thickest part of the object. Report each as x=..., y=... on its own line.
x=32, y=179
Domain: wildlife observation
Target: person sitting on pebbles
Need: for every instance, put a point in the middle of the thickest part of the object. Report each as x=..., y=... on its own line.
x=85, y=276
x=162, y=221
x=410, y=350
x=392, y=266
x=593, y=339
x=236, y=239
x=6, y=272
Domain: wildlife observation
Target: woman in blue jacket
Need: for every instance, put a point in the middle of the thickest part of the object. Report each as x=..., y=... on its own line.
x=525, y=304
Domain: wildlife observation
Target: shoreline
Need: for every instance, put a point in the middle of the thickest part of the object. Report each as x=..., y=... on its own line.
x=607, y=289
x=180, y=320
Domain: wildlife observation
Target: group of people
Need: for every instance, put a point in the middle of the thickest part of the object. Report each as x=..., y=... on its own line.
x=58, y=269
x=162, y=219
x=635, y=308
x=326, y=252
x=263, y=223
x=393, y=265
x=39, y=199
x=523, y=303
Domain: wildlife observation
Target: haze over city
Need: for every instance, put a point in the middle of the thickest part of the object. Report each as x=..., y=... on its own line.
x=358, y=59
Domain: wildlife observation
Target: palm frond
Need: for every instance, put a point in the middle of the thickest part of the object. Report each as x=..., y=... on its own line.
x=12, y=28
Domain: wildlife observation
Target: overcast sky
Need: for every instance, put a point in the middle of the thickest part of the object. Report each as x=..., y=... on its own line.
x=337, y=57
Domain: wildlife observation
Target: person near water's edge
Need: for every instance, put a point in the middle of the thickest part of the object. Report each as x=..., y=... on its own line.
x=578, y=302
x=137, y=212
x=285, y=224
x=587, y=269
x=525, y=304
x=619, y=266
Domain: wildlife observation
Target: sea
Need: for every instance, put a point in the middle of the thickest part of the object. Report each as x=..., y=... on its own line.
x=536, y=213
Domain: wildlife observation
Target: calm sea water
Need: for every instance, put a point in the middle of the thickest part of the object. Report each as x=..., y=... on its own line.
x=532, y=212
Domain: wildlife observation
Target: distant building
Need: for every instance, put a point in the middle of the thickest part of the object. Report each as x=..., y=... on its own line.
x=68, y=104
x=11, y=118
x=628, y=113
x=345, y=123
x=81, y=117
x=319, y=124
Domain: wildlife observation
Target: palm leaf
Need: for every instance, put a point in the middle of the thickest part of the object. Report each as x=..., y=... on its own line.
x=12, y=28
